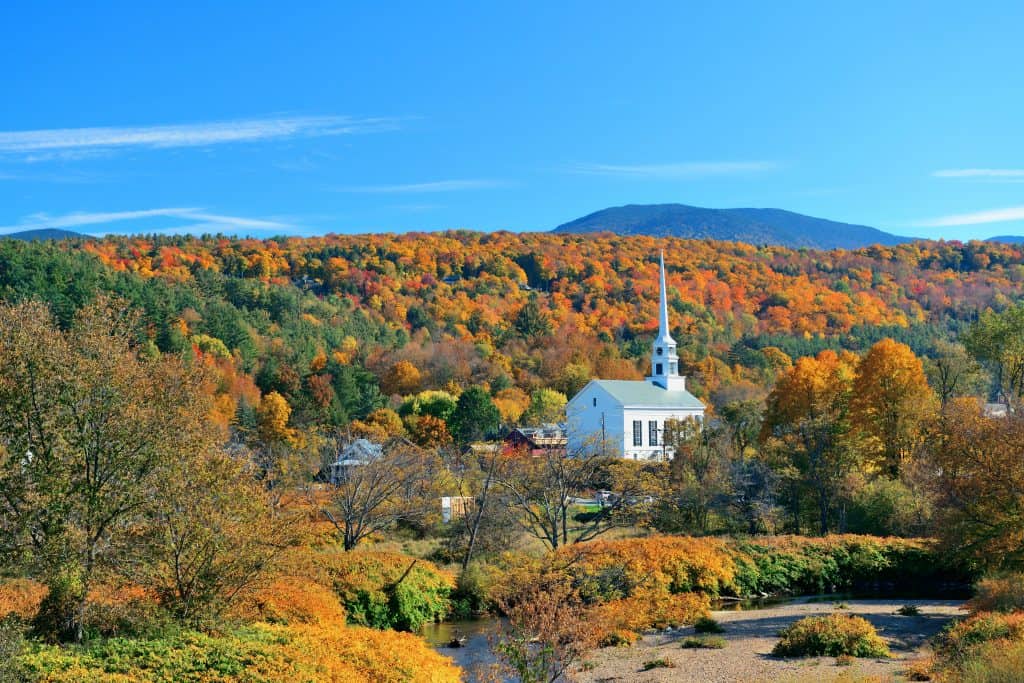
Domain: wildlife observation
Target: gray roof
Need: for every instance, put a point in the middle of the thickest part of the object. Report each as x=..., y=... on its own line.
x=648, y=395
x=361, y=450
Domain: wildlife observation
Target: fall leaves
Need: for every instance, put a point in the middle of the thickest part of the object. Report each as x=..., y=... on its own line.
x=833, y=415
x=110, y=467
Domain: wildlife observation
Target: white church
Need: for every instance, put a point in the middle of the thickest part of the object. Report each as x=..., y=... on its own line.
x=627, y=418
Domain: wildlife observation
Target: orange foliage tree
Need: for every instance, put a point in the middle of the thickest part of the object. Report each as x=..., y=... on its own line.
x=806, y=422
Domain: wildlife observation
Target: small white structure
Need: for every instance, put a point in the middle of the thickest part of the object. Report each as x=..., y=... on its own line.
x=627, y=418
x=455, y=507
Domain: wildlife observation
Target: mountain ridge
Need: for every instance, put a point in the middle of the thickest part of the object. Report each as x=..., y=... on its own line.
x=44, y=234
x=751, y=225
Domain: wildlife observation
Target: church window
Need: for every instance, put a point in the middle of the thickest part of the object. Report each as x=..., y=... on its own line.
x=659, y=352
x=657, y=369
x=652, y=426
x=671, y=368
x=638, y=433
x=595, y=401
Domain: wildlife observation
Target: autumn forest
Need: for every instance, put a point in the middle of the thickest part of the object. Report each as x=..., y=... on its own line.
x=170, y=409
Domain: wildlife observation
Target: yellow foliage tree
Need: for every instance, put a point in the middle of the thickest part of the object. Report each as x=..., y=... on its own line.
x=891, y=400
x=272, y=418
x=379, y=426
x=401, y=378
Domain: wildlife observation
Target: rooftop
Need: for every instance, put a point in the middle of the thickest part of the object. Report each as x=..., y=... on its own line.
x=647, y=394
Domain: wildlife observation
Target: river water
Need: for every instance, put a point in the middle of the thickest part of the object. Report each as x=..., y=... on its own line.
x=475, y=656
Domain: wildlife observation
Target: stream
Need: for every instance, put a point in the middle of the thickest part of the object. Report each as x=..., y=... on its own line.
x=476, y=652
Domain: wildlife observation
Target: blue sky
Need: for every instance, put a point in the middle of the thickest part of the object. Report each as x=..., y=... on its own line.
x=269, y=118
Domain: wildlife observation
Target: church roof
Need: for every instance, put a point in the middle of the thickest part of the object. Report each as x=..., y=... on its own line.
x=648, y=395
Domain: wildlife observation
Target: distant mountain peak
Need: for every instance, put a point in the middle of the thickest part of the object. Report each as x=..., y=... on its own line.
x=44, y=234
x=754, y=226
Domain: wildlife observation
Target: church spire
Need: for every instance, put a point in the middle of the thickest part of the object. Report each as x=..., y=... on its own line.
x=664, y=335
x=664, y=361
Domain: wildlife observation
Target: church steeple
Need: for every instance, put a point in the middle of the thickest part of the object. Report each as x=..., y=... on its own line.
x=664, y=361
x=664, y=336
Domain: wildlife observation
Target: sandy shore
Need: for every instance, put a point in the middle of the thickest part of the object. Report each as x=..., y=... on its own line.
x=750, y=636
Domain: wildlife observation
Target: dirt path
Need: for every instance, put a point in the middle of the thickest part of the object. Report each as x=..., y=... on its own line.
x=750, y=636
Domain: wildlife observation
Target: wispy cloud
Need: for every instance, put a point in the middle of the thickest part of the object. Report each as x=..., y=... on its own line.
x=203, y=221
x=979, y=173
x=78, y=142
x=686, y=169
x=1012, y=213
x=434, y=186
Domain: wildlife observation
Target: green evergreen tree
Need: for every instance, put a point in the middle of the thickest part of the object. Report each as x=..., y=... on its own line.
x=475, y=417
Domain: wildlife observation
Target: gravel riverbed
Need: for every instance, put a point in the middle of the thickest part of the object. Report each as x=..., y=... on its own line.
x=750, y=635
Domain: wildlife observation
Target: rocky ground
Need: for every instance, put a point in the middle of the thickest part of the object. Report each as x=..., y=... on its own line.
x=751, y=634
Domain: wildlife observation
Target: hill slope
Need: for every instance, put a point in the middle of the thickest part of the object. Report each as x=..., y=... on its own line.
x=43, y=234
x=1007, y=239
x=754, y=226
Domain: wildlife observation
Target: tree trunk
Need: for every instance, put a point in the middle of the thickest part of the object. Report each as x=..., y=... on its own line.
x=481, y=504
x=823, y=512
x=565, y=524
x=796, y=510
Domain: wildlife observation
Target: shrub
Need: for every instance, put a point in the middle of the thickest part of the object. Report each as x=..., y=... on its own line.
x=126, y=610
x=472, y=593
x=795, y=564
x=996, y=662
x=660, y=663
x=919, y=669
x=999, y=593
x=388, y=590
x=964, y=638
x=259, y=654
x=887, y=507
x=292, y=600
x=12, y=645
x=619, y=638
x=21, y=598
x=647, y=610
x=707, y=642
x=663, y=564
x=909, y=611
x=832, y=635
x=707, y=625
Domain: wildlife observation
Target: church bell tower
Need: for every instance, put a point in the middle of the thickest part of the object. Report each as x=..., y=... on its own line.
x=664, y=361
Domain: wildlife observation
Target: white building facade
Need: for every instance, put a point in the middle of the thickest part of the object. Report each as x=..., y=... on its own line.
x=627, y=418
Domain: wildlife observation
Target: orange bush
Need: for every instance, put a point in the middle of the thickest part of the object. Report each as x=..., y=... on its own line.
x=650, y=609
x=21, y=597
x=293, y=600
x=660, y=564
x=1002, y=593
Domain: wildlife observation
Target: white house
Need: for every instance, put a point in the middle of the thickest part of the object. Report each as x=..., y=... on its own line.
x=355, y=454
x=627, y=418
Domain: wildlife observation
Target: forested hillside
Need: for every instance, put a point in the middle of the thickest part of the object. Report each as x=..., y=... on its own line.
x=326, y=321
x=843, y=389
